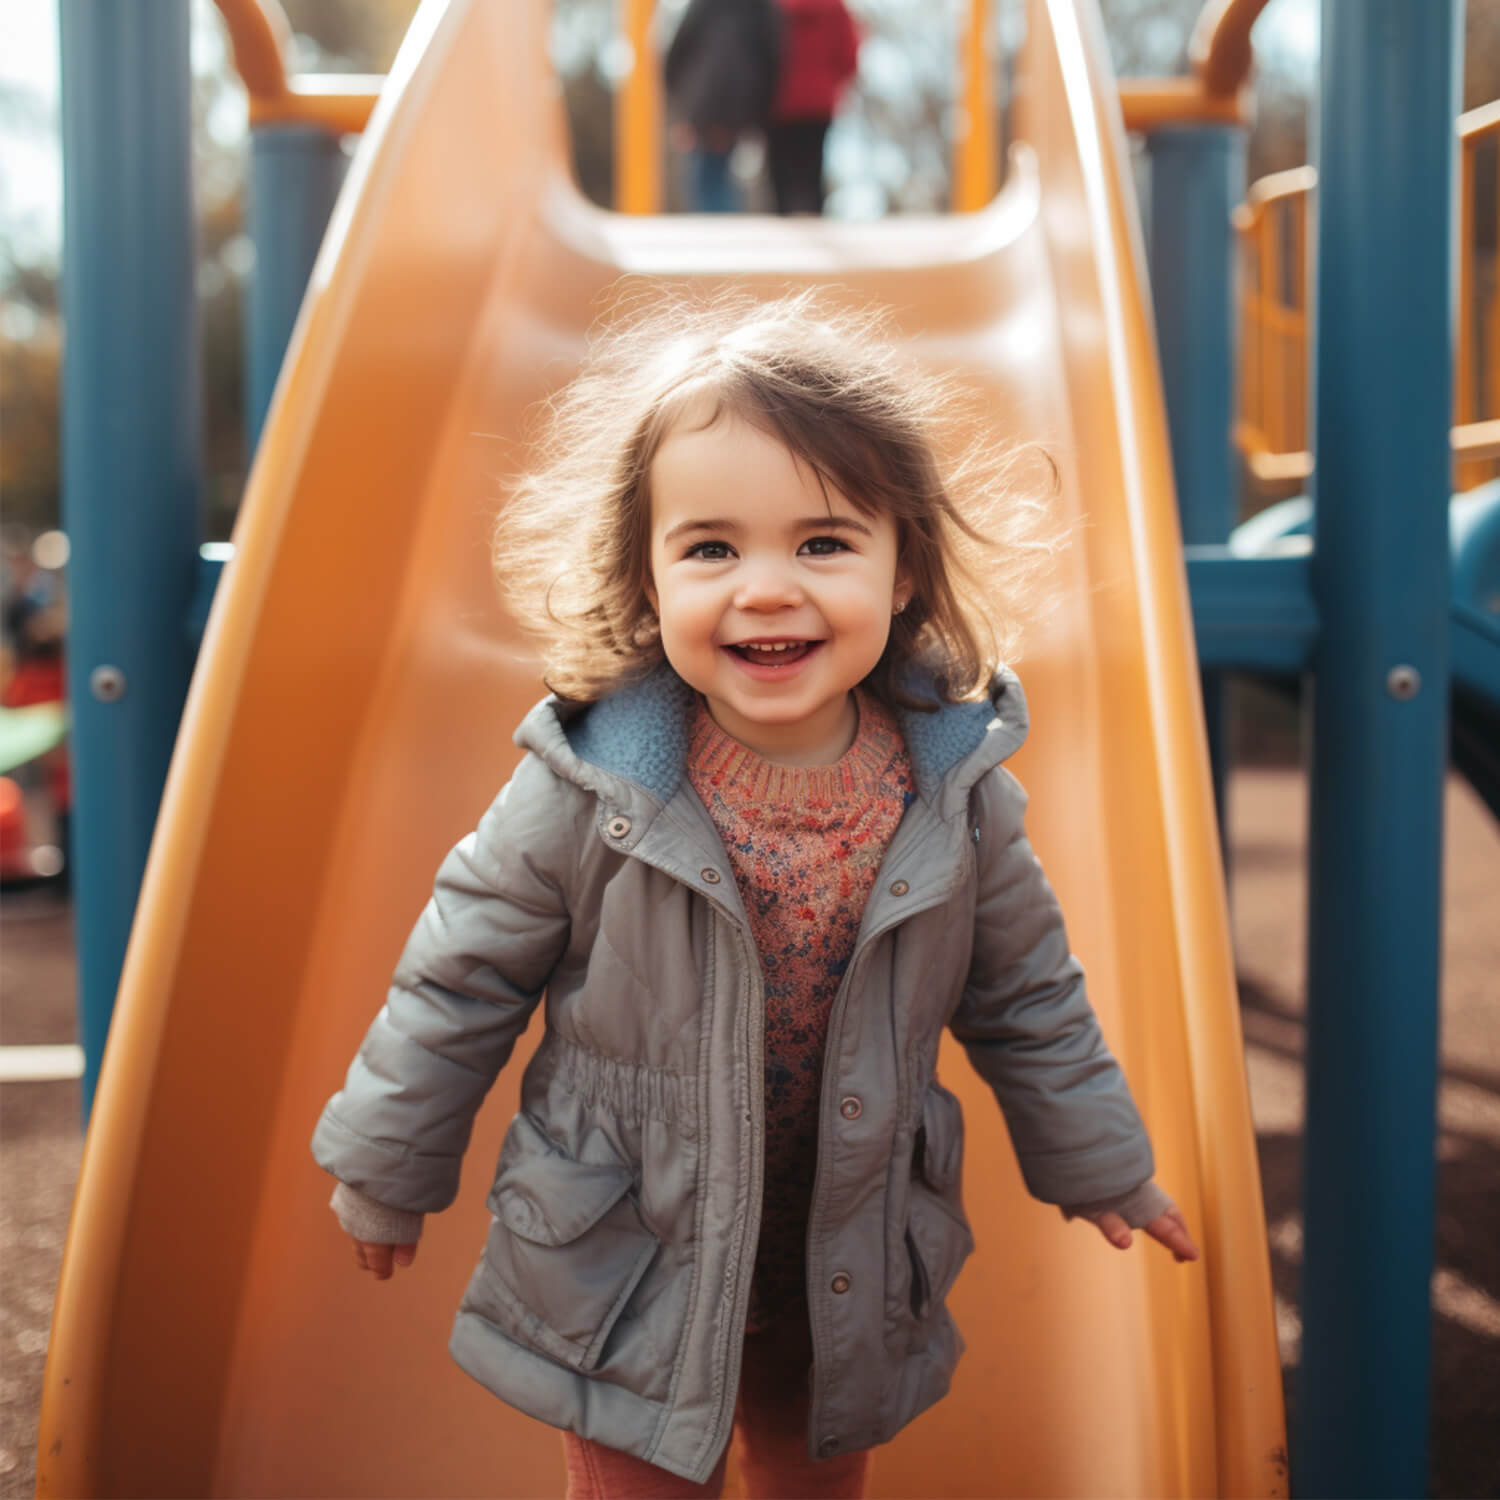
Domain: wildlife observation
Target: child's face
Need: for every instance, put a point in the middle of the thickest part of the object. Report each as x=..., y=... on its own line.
x=774, y=599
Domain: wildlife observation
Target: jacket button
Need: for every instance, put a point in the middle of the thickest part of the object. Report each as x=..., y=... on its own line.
x=710, y=875
x=829, y=1445
x=851, y=1108
x=841, y=1283
x=899, y=888
x=618, y=827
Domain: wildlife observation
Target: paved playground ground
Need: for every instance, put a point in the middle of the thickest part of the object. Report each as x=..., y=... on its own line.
x=39, y=1131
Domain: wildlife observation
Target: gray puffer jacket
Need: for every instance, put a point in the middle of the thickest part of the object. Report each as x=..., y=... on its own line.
x=611, y=1297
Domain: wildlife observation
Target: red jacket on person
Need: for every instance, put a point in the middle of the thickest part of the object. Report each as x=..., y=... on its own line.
x=819, y=50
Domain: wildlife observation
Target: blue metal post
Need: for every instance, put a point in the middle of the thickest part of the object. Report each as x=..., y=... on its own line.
x=295, y=175
x=1197, y=178
x=131, y=452
x=1383, y=373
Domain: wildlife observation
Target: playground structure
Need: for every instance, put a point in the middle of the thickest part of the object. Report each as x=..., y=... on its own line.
x=289, y=860
x=1271, y=426
x=1271, y=430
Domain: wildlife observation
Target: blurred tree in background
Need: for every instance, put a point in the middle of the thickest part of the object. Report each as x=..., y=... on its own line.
x=888, y=153
x=348, y=36
x=30, y=377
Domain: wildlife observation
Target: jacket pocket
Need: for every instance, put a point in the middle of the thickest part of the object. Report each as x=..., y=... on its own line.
x=567, y=1248
x=938, y=1238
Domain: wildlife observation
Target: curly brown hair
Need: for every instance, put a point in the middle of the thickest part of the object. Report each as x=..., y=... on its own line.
x=572, y=544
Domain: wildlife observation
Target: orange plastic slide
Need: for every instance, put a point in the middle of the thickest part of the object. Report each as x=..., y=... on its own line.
x=352, y=715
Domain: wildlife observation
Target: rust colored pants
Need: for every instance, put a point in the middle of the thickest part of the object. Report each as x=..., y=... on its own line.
x=770, y=1436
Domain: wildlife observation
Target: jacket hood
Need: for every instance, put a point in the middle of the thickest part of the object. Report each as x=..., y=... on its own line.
x=640, y=734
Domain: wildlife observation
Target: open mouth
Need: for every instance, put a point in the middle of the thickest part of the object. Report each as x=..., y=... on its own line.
x=773, y=653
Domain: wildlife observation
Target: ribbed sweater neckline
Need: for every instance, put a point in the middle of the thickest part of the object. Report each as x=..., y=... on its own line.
x=741, y=776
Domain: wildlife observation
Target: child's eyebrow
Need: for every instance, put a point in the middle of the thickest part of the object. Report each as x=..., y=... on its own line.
x=808, y=523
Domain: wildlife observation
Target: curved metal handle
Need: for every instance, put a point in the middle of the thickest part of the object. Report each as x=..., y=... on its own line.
x=1222, y=58
x=1220, y=49
x=259, y=36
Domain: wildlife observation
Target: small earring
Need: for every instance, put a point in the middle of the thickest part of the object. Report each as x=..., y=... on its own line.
x=900, y=605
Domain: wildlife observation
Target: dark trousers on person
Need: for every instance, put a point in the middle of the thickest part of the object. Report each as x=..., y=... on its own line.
x=711, y=186
x=794, y=155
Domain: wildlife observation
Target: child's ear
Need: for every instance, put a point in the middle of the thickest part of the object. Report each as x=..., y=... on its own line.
x=649, y=590
x=901, y=595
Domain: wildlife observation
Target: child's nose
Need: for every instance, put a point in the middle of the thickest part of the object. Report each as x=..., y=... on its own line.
x=767, y=585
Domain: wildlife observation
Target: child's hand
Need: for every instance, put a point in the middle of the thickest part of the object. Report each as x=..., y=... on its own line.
x=382, y=1259
x=1169, y=1228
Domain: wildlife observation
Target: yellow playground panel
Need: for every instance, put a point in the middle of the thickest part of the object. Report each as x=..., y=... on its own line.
x=1275, y=357
x=352, y=715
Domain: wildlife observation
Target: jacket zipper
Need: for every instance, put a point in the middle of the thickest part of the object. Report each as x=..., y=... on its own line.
x=743, y=1256
x=818, y=1214
x=744, y=1253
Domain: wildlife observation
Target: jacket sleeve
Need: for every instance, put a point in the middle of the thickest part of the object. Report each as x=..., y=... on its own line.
x=1026, y=1023
x=472, y=972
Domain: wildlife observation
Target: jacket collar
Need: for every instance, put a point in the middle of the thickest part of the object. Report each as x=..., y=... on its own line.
x=640, y=735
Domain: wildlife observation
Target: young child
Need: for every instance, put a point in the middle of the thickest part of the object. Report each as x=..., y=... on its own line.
x=760, y=852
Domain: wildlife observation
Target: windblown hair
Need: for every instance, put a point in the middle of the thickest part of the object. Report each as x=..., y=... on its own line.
x=572, y=545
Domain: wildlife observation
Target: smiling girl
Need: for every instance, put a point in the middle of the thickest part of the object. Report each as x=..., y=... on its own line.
x=760, y=853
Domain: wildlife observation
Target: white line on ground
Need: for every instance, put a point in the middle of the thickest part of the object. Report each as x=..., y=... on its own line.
x=40, y=1064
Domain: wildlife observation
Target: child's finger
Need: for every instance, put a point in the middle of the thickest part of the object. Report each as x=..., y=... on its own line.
x=405, y=1254
x=1114, y=1229
x=1171, y=1230
x=374, y=1258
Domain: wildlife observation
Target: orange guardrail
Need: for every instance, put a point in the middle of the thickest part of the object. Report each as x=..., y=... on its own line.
x=1271, y=426
x=976, y=174
x=1214, y=92
x=1476, y=382
x=259, y=37
x=638, y=116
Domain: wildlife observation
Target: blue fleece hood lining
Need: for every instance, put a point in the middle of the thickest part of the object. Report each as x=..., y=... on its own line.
x=641, y=733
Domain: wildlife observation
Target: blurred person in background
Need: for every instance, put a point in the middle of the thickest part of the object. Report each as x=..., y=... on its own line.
x=721, y=71
x=35, y=620
x=34, y=617
x=819, y=55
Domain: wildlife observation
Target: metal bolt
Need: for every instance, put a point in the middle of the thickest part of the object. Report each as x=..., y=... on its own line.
x=1403, y=682
x=107, y=684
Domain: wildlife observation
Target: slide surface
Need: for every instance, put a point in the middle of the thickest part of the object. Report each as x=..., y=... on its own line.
x=352, y=715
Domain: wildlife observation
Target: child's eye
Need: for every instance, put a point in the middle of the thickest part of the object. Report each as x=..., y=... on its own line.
x=823, y=546
x=709, y=551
